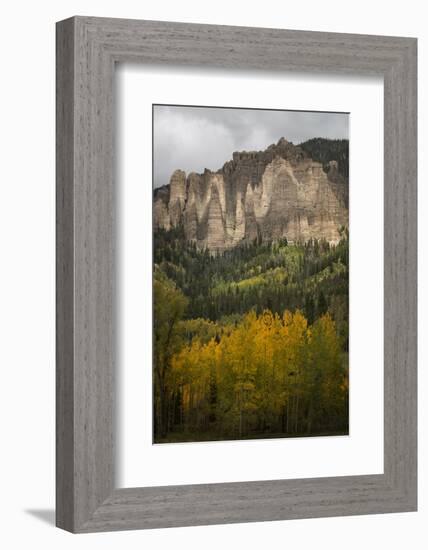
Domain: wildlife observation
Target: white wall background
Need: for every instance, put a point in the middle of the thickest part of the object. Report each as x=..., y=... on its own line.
x=27, y=272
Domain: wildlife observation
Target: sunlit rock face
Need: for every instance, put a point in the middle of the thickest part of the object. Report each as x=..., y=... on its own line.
x=272, y=194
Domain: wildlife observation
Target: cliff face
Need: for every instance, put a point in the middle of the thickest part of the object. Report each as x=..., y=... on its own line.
x=276, y=193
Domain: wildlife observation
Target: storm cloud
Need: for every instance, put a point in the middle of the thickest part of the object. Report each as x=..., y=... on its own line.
x=195, y=138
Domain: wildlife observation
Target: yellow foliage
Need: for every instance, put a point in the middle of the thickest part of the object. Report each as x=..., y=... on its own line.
x=260, y=368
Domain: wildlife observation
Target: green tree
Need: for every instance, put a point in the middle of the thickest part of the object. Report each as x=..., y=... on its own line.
x=169, y=307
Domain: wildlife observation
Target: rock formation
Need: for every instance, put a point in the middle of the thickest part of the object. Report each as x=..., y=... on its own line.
x=272, y=194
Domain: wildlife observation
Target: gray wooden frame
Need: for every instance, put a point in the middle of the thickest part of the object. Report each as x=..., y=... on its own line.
x=87, y=50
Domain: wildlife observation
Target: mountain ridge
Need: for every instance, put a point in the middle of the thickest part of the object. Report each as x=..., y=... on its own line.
x=279, y=192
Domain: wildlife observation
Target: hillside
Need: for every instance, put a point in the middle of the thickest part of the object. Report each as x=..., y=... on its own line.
x=251, y=341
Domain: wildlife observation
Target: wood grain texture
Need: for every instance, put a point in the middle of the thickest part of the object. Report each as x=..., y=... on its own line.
x=87, y=49
x=64, y=276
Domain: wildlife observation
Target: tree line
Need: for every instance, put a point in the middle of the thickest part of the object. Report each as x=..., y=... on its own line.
x=324, y=150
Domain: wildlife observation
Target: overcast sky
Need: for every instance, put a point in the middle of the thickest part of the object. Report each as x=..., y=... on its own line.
x=194, y=138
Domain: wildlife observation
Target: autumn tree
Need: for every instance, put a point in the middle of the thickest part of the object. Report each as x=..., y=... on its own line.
x=265, y=375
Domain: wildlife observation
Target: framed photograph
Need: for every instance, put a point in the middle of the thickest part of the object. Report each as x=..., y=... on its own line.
x=250, y=281
x=236, y=274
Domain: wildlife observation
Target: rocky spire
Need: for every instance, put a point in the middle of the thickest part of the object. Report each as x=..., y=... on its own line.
x=279, y=192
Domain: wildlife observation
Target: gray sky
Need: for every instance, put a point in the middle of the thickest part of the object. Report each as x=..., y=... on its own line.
x=194, y=138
